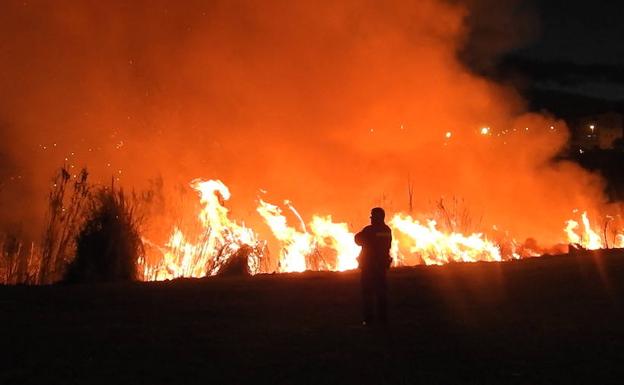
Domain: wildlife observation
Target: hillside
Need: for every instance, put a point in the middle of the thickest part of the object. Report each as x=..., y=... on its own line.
x=543, y=320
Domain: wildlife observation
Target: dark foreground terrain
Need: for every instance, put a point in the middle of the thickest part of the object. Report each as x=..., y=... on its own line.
x=550, y=320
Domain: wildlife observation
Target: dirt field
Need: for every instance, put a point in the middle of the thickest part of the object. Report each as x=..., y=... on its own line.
x=549, y=320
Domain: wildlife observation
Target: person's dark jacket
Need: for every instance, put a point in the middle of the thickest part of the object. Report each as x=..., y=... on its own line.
x=376, y=241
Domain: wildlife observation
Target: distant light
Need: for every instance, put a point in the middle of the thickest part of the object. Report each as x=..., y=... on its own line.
x=485, y=130
x=581, y=150
x=526, y=128
x=448, y=134
x=552, y=127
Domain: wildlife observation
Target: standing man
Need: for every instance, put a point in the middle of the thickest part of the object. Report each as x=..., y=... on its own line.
x=374, y=261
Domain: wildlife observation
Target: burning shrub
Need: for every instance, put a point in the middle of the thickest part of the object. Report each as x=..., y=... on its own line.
x=237, y=264
x=108, y=245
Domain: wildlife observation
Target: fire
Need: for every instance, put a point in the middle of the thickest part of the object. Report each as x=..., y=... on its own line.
x=337, y=237
x=588, y=238
x=298, y=248
x=431, y=245
x=220, y=240
x=296, y=245
x=324, y=244
x=435, y=247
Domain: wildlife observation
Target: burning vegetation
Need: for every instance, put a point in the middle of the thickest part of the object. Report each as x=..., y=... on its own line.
x=324, y=244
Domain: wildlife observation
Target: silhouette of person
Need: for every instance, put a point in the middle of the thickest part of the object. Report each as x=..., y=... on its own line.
x=374, y=261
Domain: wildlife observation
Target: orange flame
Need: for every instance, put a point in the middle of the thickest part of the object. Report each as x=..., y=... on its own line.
x=296, y=245
x=221, y=239
x=588, y=238
x=435, y=247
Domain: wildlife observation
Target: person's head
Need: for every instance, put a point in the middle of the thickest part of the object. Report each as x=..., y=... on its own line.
x=377, y=215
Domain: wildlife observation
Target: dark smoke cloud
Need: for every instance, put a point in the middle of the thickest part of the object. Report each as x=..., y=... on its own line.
x=495, y=28
x=331, y=105
x=565, y=72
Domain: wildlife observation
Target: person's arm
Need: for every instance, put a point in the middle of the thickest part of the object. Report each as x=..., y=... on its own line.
x=389, y=246
x=363, y=236
x=359, y=238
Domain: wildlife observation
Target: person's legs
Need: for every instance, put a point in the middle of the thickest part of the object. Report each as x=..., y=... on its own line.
x=381, y=291
x=367, y=297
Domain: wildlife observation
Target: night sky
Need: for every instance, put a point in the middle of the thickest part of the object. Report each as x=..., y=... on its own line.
x=578, y=48
x=581, y=32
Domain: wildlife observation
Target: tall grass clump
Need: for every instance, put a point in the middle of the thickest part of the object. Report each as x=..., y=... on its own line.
x=19, y=259
x=67, y=200
x=108, y=246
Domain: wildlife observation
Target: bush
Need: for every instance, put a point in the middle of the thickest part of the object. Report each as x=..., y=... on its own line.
x=108, y=245
x=237, y=264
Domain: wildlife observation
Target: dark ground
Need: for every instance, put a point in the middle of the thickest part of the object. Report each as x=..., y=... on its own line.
x=550, y=320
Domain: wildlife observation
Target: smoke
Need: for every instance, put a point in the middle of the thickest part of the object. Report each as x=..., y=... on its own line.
x=331, y=105
x=495, y=28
